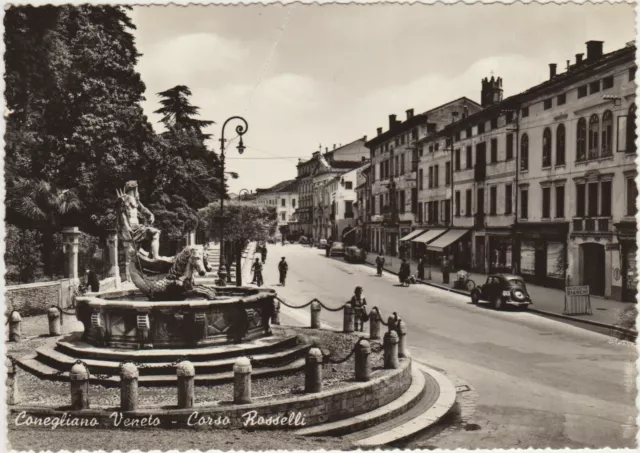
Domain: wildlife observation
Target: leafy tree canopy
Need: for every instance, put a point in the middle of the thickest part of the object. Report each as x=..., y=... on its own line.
x=243, y=221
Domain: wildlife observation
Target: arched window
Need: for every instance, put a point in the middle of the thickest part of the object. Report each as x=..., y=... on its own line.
x=560, y=145
x=524, y=153
x=594, y=132
x=581, y=140
x=607, y=133
x=546, y=148
x=631, y=130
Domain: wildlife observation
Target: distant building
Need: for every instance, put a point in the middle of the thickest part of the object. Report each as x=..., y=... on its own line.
x=314, y=173
x=284, y=197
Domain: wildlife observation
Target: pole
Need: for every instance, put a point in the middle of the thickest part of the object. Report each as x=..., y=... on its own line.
x=222, y=195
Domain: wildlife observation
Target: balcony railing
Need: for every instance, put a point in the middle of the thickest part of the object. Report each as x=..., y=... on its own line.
x=592, y=225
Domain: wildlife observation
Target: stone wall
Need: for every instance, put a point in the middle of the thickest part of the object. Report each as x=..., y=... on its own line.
x=33, y=298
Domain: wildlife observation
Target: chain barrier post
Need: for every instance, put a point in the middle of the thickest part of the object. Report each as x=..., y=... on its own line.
x=313, y=371
x=391, y=350
x=55, y=325
x=363, y=365
x=401, y=330
x=374, y=325
x=348, y=320
x=79, y=377
x=13, y=395
x=186, y=375
x=242, y=381
x=391, y=323
x=129, y=375
x=315, y=315
x=15, y=320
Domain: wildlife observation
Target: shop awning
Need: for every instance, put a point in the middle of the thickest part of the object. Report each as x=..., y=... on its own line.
x=446, y=240
x=413, y=234
x=352, y=230
x=429, y=235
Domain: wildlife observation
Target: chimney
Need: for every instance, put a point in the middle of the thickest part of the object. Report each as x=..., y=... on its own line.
x=379, y=131
x=364, y=139
x=594, y=50
x=334, y=146
x=552, y=70
x=579, y=58
x=392, y=121
x=326, y=150
x=316, y=154
x=568, y=64
x=409, y=114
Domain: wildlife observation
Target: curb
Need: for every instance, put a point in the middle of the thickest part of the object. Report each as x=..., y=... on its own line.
x=631, y=333
x=440, y=408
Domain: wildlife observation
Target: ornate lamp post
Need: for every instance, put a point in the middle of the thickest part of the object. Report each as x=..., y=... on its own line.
x=241, y=129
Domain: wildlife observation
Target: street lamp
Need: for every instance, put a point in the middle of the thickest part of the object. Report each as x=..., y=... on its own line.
x=241, y=129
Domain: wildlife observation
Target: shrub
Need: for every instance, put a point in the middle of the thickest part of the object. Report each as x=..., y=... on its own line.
x=22, y=254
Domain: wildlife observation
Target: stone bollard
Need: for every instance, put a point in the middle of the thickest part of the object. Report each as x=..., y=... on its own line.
x=391, y=323
x=348, y=319
x=401, y=329
x=313, y=371
x=14, y=326
x=12, y=382
x=374, y=325
x=55, y=326
x=315, y=315
x=129, y=387
x=186, y=375
x=363, y=365
x=242, y=381
x=391, y=350
x=79, y=377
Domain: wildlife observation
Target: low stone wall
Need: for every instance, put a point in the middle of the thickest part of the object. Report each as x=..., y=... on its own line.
x=290, y=413
x=34, y=298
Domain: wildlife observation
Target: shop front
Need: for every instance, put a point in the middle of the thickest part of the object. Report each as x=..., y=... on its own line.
x=628, y=274
x=543, y=253
x=500, y=256
x=456, y=245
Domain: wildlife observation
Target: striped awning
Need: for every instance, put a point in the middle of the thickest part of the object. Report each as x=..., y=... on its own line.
x=429, y=235
x=413, y=234
x=446, y=240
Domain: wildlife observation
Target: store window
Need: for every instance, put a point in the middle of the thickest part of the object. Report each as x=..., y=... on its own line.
x=528, y=258
x=555, y=260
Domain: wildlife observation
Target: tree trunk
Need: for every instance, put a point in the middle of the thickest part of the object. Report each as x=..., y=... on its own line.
x=47, y=252
x=238, y=263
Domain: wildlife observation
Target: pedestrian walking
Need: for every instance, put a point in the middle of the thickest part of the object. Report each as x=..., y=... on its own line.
x=379, y=264
x=445, y=269
x=263, y=253
x=404, y=273
x=257, y=272
x=283, y=268
x=360, y=312
x=421, y=268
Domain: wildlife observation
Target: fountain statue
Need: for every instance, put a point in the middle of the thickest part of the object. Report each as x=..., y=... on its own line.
x=159, y=278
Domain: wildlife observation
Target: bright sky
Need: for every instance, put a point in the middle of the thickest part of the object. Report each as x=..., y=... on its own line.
x=305, y=75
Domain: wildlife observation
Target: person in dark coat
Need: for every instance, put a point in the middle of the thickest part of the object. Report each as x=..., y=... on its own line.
x=421, y=268
x=379, y=264
x=405, y=271
x=257, y=272
x=92, y=281
x=283, y=268
x=263, y=252
x=445, y=269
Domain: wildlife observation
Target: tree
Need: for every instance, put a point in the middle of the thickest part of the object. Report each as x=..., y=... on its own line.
x=44, y=207
x=243, y=222
x=22, y=254
x=178, y=113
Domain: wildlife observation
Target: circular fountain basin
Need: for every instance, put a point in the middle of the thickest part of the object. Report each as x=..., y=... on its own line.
x=128, y=320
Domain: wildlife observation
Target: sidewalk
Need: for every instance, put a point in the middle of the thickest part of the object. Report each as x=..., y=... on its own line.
x=548, y=301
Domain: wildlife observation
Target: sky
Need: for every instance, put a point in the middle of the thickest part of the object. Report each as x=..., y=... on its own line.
x=306, y=76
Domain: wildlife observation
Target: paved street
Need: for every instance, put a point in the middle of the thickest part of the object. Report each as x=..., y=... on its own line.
x=541, y=383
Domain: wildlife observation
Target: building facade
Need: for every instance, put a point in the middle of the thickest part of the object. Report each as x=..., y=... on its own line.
x=395, y=157
x=284, y=197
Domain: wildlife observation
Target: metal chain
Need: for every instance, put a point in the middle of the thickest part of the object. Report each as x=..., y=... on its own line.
x=326, y=358
x=310, y=302
x=395, y=316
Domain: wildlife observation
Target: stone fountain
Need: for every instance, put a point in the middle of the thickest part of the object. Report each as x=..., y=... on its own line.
x=171, y=315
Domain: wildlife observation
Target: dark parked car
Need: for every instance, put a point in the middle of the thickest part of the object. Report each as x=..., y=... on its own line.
x=303, y=240
x=336, y=249
x=354, y=254
x=501, y=290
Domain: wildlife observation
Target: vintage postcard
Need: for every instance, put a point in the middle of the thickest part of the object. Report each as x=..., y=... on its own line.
x=320, y=227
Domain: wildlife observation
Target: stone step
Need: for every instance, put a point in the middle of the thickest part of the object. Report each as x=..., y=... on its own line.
x=31, y=365
x=74, y=347
x=409, y=399
x=61, y=361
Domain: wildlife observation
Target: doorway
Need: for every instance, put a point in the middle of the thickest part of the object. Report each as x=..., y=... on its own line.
x=593, y=267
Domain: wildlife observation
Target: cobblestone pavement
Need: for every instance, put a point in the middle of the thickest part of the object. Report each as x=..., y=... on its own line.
x=540, y=383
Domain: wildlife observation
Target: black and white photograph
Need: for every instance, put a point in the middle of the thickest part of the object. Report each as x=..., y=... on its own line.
x=319, y=227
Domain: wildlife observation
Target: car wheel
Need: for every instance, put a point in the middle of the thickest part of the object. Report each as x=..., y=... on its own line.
x=474, y=298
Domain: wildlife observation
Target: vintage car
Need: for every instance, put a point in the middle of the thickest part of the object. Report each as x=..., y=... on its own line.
x=354, y=254
x=322, y=244
x=336, y=249
x=501, y=290
x=303, y=240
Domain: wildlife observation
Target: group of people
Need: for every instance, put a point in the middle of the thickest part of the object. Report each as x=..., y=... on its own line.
x=404, y=273
x=257, y=266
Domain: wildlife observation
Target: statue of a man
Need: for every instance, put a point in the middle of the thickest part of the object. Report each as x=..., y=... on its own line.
x=129, y=226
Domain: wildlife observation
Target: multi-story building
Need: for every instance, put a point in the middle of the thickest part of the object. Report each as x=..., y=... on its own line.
x=542, y=183
x=284, y=197
x=394, y=171
x=313, y=175
x=362, y=206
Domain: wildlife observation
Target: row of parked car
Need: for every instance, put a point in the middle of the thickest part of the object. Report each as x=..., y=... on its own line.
x=351, y=253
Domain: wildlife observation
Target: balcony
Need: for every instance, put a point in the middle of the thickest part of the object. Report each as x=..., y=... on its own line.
x=591, y=225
